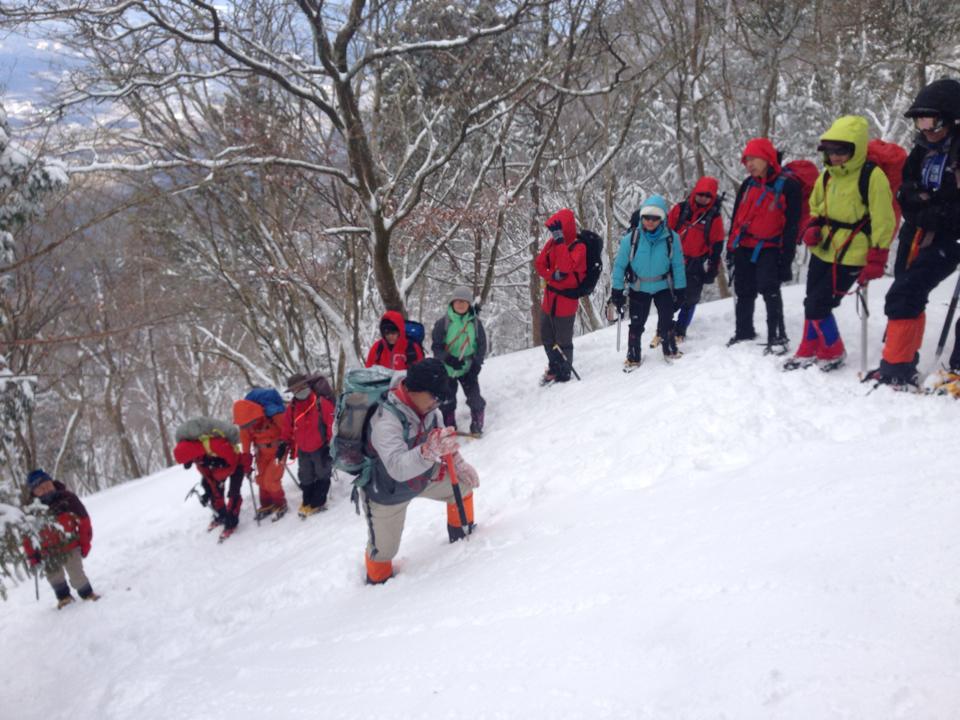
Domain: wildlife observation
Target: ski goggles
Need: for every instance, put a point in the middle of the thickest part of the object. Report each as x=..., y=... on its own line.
x=928, y=123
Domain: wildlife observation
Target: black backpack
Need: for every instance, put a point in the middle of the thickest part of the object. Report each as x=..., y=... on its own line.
x=594, y=246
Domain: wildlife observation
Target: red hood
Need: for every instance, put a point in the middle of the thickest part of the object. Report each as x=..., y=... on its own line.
x=567, y=222
x=762, y=148
x=706, y=184
x=397, y=319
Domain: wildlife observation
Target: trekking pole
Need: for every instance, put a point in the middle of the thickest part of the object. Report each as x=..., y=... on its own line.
x=864, y=317
x=946, y=324
x=566, y=360
x=457, y=494
x=253, y=499
x=36, y=583
x=619, y=322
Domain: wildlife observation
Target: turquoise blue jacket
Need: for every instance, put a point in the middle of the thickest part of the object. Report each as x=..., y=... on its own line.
x=651, y=261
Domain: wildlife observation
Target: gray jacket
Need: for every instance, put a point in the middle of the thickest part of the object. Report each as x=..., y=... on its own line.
x=399, y=471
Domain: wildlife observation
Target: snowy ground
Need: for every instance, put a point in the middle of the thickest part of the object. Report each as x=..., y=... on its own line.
x=710, y=540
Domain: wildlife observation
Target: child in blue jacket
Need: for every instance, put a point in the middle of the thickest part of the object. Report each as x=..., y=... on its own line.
x=650, y=263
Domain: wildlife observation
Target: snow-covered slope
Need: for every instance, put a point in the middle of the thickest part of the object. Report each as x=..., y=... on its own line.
x=712, y=539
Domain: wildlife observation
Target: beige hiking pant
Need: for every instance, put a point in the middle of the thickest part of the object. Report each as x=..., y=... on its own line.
x=385, y=522
x=72, y=566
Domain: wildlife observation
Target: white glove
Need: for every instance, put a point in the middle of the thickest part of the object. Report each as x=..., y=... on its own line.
x=466, y=474
x=439, y=442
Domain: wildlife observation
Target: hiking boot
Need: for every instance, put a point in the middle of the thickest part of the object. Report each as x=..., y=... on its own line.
x=64, y=601
x=679, y=338
x=264, y=511
x=476, y=423
x=896, y=381
x=655, y=342
x=777, y=346
x=833, y=363
x=799, y=363
x=91, y=596
x=738, y=338
x=548, y=378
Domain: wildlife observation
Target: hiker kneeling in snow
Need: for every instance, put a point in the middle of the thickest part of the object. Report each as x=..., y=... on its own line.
x=408, y=443
x=61, y=551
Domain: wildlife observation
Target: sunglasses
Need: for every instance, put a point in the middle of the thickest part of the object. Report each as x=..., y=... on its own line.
x=928, y=124
x=704, y=196
x=837, y=152
x=650, y=218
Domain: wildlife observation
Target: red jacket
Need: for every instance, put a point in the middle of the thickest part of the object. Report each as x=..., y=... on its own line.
x=762, y=213
x=692, y=228
x=393, y=358
x=302, y=428
x=216, y=459
x=566, y=258
x=66, y=509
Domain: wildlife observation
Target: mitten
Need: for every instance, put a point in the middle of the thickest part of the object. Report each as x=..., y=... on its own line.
x=246, y=462
x=281, y=451
x=812, y=235
x=876, y=263
x=84, y=549
x=439, y=442
x=453, y=361
x=466, y=474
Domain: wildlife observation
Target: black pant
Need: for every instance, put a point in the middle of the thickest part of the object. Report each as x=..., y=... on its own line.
x=907, y=296
x=640, y=311
x=470, y=382
x=313, y=474
x=760, y=277
x=822, y=295
x=558, y=331
x=695, y=273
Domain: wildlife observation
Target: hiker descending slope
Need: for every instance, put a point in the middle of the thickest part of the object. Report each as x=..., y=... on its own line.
x=698, y=222
x=562, y=263
x=409, y=448
x=649, y=263
x=61, y=551
x=393, y=350
x=762, y=242
x=260, y=418
x=459, y=340
x=211, y=445
x=849, y=239
x=307, y=430
x=928, y=252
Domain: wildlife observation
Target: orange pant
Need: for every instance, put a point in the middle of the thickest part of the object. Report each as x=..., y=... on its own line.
x=270, y=478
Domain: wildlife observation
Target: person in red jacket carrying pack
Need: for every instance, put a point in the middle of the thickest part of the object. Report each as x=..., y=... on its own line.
x=562, y=264
x=61, y=552
x=393, y=350
x=698, y=222
x=763, y=241
x=308, y=428
x=217, y=460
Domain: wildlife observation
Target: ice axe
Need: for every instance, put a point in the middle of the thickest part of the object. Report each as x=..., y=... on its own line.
x=457, y=494
x=864, y=317
x=612, y=309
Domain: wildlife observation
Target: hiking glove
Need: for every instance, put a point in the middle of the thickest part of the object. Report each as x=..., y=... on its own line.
x=558, y=275
x=635, y=219
x=710, y=274
x=786, y=266
x=187, y=466
x=281, y=451
x=246, y=462
x=439, y=442
x=616, y=298
x=453, y=361
x=876, y=263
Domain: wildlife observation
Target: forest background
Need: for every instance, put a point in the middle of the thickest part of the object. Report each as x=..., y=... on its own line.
x=214, y=196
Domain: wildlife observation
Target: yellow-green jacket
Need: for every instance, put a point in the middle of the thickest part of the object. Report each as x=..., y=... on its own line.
x=843, y=203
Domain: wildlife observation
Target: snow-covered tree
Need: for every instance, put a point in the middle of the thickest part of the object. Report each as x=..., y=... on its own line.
x=25, y=179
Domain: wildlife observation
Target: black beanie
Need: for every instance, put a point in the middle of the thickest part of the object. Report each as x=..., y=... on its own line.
x=427, y=376
x=388, y=326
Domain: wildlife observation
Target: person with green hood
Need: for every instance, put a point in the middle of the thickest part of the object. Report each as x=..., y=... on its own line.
x=848, y=239
x=459, y=340
x=650, y=264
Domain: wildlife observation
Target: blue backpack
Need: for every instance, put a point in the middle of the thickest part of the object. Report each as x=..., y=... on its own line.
x=267, y=398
